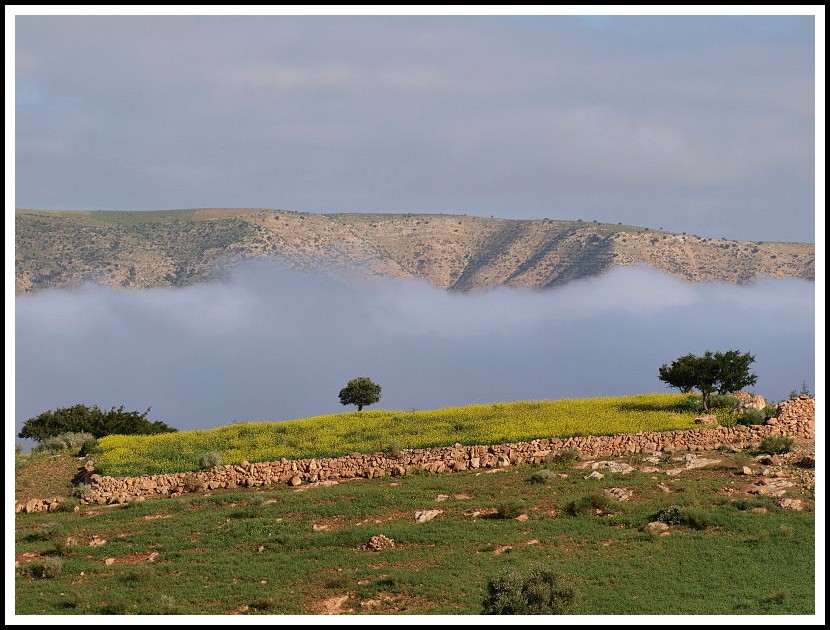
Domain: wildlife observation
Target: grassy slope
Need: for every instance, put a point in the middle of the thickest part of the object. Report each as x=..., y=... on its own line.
x=371, y=431
x=258, y=552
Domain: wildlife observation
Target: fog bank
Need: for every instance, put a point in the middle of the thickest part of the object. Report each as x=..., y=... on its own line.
x=272, y=344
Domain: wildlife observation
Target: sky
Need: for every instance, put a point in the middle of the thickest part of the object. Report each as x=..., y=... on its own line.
x=698, y=124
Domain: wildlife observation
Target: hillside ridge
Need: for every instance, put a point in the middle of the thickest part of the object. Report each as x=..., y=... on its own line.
x=62, y=248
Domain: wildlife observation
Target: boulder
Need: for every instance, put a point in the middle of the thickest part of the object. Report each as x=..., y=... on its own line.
x=424, y=516
x=709, y=420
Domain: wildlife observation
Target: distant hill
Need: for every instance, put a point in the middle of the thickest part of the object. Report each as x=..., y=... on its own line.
x=456, y=252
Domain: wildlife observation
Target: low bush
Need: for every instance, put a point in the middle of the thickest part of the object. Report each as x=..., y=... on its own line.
x=564, y=457
x=81, y=491
x=46, y=568
x=394, y=448
x=541, y=476
x=587, y=505
x=63, y=442
x=209, y=460
x=751, y=416
x=510, y=508
x=89, y=447
x=539, y=592
x=696, y=518
x=777, y=445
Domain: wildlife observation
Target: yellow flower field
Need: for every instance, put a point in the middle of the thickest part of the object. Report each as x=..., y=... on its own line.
x=371, y=431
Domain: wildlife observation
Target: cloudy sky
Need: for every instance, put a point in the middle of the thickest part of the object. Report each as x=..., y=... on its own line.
x=700, y=124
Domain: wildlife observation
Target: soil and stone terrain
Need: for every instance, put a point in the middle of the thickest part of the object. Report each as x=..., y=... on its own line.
x=456, y=252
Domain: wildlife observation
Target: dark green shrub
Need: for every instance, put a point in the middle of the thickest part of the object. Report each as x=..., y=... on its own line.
x=541, y=476
x=770, y=411
x=539, y=592
x=88, y=447
x=751, y=416
x=589, y=504
x=693, y=403
x=565, y=457
x=695, y=518
x=209, y=460
x=723, y=401
x=777, y=445
x=671, y=515
x=510, y=508
x=93, y=420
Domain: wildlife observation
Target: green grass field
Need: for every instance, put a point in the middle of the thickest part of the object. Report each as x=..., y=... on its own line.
x=372, y=431
x=283, y=551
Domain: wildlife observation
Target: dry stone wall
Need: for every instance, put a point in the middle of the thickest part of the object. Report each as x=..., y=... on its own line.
x=795, y=418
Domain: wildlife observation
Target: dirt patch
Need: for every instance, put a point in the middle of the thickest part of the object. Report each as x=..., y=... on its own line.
x=38, y=475
x=334, y=605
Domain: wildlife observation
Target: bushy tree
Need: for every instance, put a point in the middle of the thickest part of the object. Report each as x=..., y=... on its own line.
x=360, y=391
x=83, y=419
x=713, y=373
x=539, y=592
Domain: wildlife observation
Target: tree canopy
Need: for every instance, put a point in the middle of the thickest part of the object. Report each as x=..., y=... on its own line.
x=83, y=419
x=360, y=391
x=713, y=373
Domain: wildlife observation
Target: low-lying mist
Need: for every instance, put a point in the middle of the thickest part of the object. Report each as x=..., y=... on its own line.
x=273, y=344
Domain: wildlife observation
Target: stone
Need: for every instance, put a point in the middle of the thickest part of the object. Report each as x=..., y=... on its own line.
x=657, y=527
x=522, y=518
x=296, y=480
x=620, y=494
x=768, y=460
x=502, y=461
x=773, y=487
x=614, y=467
x=379, y=543
x=746, y=470
x=442, y=497
x=791, y=504
x=594, y=475
x=424, y=516
x=708, y=420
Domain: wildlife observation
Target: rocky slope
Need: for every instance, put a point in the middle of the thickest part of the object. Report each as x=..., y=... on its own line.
x=456, y=252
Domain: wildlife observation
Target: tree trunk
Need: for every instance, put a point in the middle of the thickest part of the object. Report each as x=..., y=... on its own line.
x=360, y=407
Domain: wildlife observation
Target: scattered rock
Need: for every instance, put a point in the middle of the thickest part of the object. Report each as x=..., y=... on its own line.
x=594, y=475
x=97, y=541
x=665, y=488
x=746, y=470
x=319, y=527
x=614, y=467
x=442, y=497
x=109, y=561
x=461, y=496
x=533, y=541
x=334, y=605
x=500, y=549
x=791, y=504
x=772, y=487
x=424, y=516
x=379, y=543
x=503, y=461
x=620, y=494
x=710, y=420
x=649, y=469
x=296, y=480
x=522, y=518
x=768, y=460
x=490, y=471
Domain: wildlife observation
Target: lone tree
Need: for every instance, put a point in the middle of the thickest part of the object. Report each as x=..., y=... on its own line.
x=360, y=391
x=719, y=372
